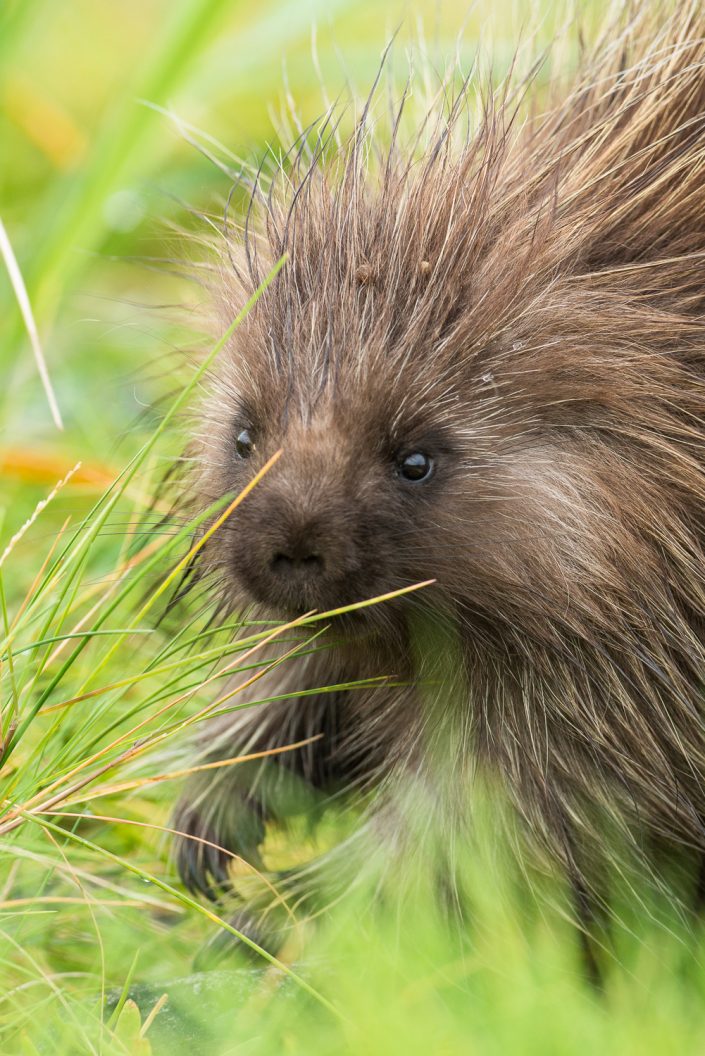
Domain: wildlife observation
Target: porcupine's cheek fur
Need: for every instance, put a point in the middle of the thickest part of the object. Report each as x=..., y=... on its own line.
x=537, y=546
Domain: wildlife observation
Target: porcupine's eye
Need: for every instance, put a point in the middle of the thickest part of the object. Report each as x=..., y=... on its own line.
x=244, y=443
x=415, y=467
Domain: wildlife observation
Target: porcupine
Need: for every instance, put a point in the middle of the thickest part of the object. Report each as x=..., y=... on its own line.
x=484, y=361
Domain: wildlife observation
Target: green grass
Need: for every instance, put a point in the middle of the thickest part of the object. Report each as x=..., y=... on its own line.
x=100, y=700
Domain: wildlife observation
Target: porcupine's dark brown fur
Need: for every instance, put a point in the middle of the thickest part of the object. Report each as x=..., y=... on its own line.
x=526, y=308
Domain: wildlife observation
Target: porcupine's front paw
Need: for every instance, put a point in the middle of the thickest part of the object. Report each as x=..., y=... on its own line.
x=207, y=844
x=209, y=839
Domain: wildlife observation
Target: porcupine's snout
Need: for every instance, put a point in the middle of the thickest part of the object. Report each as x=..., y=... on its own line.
x=299, y=542
x=300, y=558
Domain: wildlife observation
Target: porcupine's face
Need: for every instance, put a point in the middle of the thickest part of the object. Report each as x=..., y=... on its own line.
x=451, y=405
x=397, y=467
x=348, y=511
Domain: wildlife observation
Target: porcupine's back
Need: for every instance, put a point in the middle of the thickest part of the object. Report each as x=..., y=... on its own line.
x=525, y=303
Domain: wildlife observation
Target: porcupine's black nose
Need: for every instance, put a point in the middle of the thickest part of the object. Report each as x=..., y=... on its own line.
x=298, y=558
x=297, y=569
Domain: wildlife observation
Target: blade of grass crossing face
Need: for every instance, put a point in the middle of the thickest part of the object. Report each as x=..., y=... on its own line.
x=184, y=562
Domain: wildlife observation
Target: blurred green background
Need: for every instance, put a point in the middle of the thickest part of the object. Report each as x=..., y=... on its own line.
x=100, y=193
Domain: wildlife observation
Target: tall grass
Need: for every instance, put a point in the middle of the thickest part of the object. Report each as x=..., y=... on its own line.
x=101, y=949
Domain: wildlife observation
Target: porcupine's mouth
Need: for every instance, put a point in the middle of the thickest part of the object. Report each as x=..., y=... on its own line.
x=294, y=596
x=294, y=605
x=355, y=618
x=291, y=597
x=375, y=618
